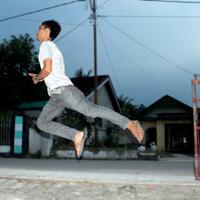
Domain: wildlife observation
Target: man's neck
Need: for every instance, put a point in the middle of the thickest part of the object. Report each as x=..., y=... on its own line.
x=46, y=40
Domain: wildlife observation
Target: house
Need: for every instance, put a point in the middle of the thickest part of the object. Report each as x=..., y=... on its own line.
x=106, y=97
x=169, y=123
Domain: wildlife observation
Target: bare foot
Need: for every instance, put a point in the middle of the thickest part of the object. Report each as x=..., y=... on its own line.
x=136, y=129
x=78, y=143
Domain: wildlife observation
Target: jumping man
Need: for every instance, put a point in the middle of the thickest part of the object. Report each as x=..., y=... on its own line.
x=63, y=94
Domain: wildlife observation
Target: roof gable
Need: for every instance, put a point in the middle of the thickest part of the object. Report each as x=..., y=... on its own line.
x=86, y=84
x=167, y=108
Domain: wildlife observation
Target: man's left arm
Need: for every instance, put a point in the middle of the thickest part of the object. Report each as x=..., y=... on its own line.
x=46, y=70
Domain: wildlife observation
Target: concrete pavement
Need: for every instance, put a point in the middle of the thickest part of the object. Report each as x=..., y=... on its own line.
x=169, y=178
x=176, y=170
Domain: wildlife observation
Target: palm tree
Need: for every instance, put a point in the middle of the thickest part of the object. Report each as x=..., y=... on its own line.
x=79, y=73
x=128, y=109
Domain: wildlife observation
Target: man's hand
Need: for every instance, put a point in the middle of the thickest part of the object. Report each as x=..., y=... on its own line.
x=34, y=78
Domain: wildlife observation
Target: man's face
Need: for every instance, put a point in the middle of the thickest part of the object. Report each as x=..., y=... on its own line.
x=43, y=33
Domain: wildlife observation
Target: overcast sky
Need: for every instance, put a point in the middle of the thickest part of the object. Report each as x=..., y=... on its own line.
x=146, y=57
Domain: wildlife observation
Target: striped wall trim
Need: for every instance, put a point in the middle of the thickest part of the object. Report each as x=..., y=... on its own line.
x=18, y=134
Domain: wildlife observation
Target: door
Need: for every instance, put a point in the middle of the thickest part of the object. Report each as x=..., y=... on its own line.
x=179, y=138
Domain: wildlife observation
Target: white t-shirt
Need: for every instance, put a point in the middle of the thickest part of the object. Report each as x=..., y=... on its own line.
x=57, y=77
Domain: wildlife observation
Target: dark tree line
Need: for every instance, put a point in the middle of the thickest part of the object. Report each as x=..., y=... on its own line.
x=18, y=57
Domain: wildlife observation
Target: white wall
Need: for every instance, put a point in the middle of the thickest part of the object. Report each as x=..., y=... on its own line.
x=34, y=141
x=39, y=143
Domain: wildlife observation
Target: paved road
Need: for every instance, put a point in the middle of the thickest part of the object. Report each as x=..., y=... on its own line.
x=47, y=179
x=115, y=171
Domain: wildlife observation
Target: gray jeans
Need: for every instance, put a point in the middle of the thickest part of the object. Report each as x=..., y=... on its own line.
x=72, y=98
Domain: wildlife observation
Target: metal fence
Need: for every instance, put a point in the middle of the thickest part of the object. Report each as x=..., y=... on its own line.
x=5, y=131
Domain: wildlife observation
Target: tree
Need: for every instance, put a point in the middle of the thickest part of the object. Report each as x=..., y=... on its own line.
x=79, y=73
x=18, y=58
x=128, y=109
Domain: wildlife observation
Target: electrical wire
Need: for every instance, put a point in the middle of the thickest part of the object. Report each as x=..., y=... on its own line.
x=173, y=1
x=40, y=10
x=109, y=59
x=150, y=16
x=130, y=59
x=36, y=21
x=105, y=2
x=147, y=48
x=80, y=24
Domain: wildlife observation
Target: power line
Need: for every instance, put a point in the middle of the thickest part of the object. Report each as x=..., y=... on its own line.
x=80, y=24
x=105, y=2
x=130, y=59
x=174, y=1
x=109, y=60
x=148, y=49
x=40, y=10
x=37, y=20
x=149, y=16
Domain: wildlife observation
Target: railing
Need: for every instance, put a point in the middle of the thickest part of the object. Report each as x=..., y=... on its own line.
x=5, y=132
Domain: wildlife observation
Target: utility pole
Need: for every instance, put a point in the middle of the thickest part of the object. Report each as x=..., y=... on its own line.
x=195, y=100
x=94, y=18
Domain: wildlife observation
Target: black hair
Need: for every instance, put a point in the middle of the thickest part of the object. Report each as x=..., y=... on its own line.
x=54, y=27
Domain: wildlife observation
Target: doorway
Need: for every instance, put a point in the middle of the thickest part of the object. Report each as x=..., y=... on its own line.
x=179, y=138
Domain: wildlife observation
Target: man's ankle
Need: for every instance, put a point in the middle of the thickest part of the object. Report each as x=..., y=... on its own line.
x=78, y=135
